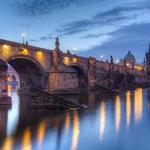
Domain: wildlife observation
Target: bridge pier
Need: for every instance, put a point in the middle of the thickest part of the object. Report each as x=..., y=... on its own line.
x=4, y=97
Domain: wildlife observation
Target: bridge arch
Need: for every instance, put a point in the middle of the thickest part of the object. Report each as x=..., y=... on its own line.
x=83, y=79
x=32, y=74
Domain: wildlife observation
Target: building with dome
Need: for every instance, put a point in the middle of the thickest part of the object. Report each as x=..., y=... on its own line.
x=129, y=59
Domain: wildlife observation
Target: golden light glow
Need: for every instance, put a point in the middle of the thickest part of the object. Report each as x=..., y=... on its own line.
x=76, y=131
x=138, y=67
x=128, y=64
x=74, y=60
x=8, y=144
x=25, y=52
x=67, y=122
x=26, y=140
x=41, y=132
x=102, y=120
x=66, y=60
x=6, y=51
x=5, y=47
x=138, y=104
x=9, y=86
x=40, y=56
x=128, y=108
x=118, y=113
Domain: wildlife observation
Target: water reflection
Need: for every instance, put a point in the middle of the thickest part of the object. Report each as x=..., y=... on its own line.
x=76, y=131
x=41, y=133
x=3, y=121
x=26, y=140
x=8, y=143
x=118, y=112
x=13, y=114
x=23, y=128
x=128, y=108
x=138, y=104
x=9, y=89
x=67, y=122
x=102, y=120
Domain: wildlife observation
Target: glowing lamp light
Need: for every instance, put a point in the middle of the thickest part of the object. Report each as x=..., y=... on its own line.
x=23, y=37
x=5, y=46
x=75, y=50
x=66, y=60
x=23, y=34
x=128, y=64
x=24, y=52
x=137, y=67
x=39, y=56
x=101, y=57
x=117, y=61
x=74, y=60
x=6, y=51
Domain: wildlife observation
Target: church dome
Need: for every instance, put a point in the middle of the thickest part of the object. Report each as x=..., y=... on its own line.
x=129, y=58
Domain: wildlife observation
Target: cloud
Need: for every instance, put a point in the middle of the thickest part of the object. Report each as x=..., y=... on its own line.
x=91, y=36
x=114, y=18
x=75, y=27
x=43, y=38
x=118, y=16
x=42, y=7
x=135, y=38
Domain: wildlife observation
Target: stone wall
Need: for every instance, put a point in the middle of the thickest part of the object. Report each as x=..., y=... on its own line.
x=3, y=78
x=63, y=81
x=62, y=77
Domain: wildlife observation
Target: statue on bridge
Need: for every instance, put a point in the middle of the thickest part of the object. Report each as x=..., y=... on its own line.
x=57, y=44
x=56, y=53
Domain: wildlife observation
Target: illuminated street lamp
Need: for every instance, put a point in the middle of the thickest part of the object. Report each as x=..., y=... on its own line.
x=23, y=37
x=74, y=50
x=101, y=57
x=117, y=61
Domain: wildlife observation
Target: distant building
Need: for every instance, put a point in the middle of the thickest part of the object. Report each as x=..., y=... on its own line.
x=129, y=59
x=148, y=61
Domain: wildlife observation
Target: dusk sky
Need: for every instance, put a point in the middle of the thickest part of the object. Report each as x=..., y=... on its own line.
x=94, y=27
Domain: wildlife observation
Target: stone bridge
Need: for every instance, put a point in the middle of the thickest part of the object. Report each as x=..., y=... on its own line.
x=53, y=70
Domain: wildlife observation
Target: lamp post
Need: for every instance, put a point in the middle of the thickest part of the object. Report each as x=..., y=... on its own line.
x=101, y=57
x=74, y=50
x=117, y=61
x=23, y=37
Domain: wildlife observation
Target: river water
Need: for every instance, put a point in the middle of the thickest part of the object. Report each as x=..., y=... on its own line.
x=120, y=122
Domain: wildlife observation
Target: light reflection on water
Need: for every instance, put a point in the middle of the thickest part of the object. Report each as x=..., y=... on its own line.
x=13, y=114
x=76, y=130
x=128, y=108
x=102, y=120
x=112, y=122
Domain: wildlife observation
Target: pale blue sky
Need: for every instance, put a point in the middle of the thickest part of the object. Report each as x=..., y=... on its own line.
x=93, y=27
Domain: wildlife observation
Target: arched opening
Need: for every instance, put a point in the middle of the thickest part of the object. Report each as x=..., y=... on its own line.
x=31, y=74
x=13, y=80
x=83, y=81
